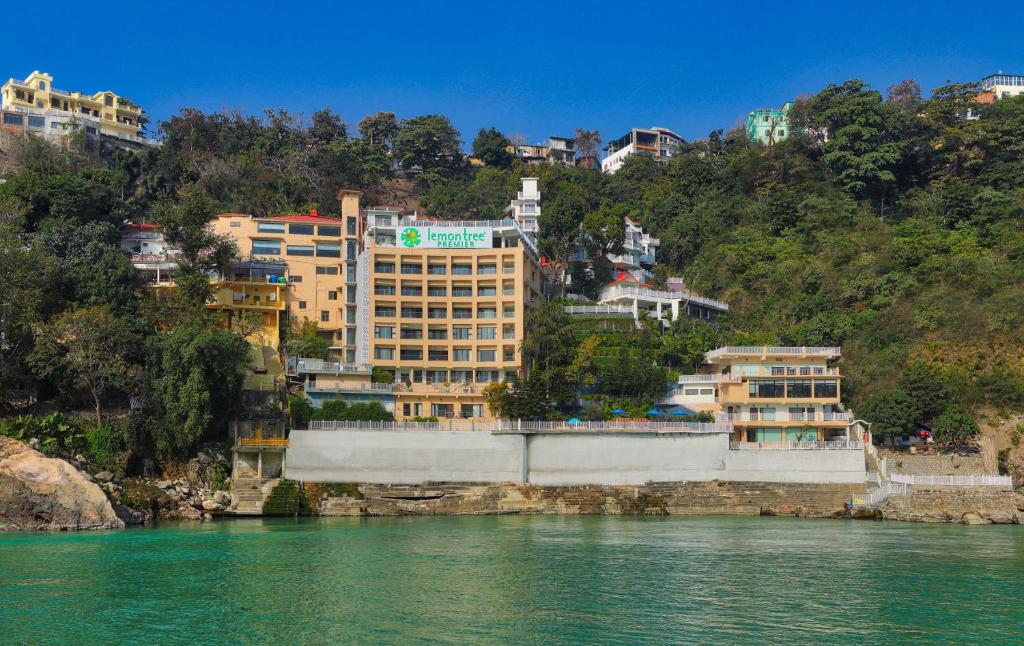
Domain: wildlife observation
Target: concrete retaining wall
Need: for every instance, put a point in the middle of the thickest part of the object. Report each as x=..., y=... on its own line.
x=411, y=457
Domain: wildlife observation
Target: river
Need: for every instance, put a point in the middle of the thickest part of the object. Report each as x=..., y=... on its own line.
x=516, y=580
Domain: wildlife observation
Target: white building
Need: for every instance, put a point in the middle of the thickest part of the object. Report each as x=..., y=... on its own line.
x=1003, y=85
x=638, y=252
x=525, y=208
x=150, y=252
x=660, y=143
x=662, y=305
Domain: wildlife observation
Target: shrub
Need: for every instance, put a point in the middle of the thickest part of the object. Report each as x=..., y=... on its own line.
x=382, y=376
x=956, y=425
x=301, y=411
x=110, y=447
x=56, y=434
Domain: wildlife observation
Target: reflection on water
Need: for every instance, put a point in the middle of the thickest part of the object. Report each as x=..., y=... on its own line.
x=516, y=579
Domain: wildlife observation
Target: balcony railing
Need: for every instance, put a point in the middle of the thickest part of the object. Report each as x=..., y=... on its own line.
x=331, y=367
x=843, y=445
x=785, y=416
x=524, y=426
x=755, y=350
x=349, y=388
x=629, y=291
x=953, y=481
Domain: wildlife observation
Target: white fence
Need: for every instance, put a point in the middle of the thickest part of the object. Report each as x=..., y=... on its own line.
x=521, y=426
x=796, y=446
x=807, y=351
x=784, y=416
x=881, y=493
x=953, y=481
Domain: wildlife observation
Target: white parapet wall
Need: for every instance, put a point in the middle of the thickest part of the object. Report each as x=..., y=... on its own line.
x=412, y=457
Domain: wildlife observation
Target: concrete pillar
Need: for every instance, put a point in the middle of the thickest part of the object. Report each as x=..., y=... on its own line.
x=658, y=305
x=636, y=310
x=259, y=465
x=526, y=458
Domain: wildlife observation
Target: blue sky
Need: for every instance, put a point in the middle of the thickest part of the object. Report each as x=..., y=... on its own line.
x=533, y=68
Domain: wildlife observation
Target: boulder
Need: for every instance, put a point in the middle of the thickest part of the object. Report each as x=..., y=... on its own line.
x=204, y=459
x=41, y=493
x=210, y=505
x=104, y=476
x=974, y=519
x=164, y=484
x=222, y=498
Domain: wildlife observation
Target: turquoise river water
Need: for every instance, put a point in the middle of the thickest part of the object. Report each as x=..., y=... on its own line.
x=516, y=580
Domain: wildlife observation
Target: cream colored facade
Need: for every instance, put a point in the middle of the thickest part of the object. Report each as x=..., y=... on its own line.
x=321, y=254
x=448, y=321
x=36, y=95
x=770, y=394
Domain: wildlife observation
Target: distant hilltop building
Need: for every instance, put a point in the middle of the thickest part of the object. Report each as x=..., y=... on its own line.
x=35, y=106
x=1002, y=86
x=525, y=208
x=769, y=126
x=660, y=143
x=558, y=151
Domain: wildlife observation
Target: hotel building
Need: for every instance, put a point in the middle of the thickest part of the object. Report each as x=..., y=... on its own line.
x=770, y=394
x=660, y=143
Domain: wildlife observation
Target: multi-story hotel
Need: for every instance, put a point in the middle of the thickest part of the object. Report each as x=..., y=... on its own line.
x=35, y=106
x=446, y=304
x=770, y=394
x=321, y=255
x=660, y=143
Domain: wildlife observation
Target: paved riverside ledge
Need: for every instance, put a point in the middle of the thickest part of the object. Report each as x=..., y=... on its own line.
x=521, y=427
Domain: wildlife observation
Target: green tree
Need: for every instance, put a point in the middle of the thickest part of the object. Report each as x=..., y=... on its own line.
x=429, y=143
x=304, y=340
x=891, y=412
x=379, y=129
x=491, y=147
x=924, y=385
x=548, y=339
x=956, y=425
x=90, y=349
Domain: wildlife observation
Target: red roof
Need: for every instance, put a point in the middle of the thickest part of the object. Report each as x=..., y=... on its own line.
x=304, y=218
x=628, y=277
x=145, y=226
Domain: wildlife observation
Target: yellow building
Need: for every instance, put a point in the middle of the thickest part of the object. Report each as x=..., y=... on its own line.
x=770, y=394
x=36, y=96
x=321, y=254
x=253, y=297
x=447, y=303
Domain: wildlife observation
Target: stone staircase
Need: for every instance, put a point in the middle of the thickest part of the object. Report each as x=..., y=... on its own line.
x=247, y=497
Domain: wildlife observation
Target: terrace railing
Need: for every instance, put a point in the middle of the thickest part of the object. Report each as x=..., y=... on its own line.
x=954, y=481
x=828, y=445
x=523, y=426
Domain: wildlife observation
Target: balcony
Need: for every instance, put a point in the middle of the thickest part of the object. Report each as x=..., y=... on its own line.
x=787, y=417
x=319, y=366
x=259, y=433
x=735, y=351
x=353, y=387
x=842, y=445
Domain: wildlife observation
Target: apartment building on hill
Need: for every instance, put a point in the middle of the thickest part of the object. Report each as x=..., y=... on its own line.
x=660, y=143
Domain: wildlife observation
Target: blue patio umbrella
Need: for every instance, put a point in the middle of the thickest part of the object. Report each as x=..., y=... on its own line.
x=618, y=411
x=682, y=412
x=654, y=411
x=574, y=420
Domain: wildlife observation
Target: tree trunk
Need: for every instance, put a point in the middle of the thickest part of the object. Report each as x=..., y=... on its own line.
x=96, y=400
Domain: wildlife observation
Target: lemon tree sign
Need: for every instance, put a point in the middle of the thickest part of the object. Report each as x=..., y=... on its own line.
x=446, y=237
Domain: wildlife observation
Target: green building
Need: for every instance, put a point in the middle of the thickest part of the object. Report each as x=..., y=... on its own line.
x=768, y=126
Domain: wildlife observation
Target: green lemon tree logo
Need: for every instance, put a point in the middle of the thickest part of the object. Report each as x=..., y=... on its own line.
x=411, y=238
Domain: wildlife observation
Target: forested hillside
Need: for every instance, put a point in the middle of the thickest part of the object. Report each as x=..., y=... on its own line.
x=890, y=225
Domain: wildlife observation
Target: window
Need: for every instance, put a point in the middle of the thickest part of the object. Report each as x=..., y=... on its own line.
x=350, y=250
x=487, y=313
x=302, y=305
x=461, y=354
x=690, y=392
x=437, y=312
x=350, y=226
x=461, y=333
x=327, y=271
x=508, y=331
x=509, y=311
x=328, y=250
x=436, y=376
x=437, y=355
x=350, y=273
x=438, y=334
x=332, y=295
x=350, y=315
x=437, y=290
x=42, y=86
x=388, y=354
x=384, y=310
x=350, y=336
x=486, y=376
x=412, y=312
x=325, y=316
x=462, y=313
x=405, y=410
x=13, y=119
x=508, y=354
x=487, y=333
x=410, y=354
x=412, y=290
x=383, y=332
x=782, y=133
x=462, y=376
x=508, y=289
x=300, y=250
x=381, y=289
x=329, y=231
x=486, y=355
x=486, y=290
x=384, y=267
x=767, y=388
x=462, y=290
x=437, y=270
x=108, y=100
x=827, y=388
x=266, y=247
x=798, y=388
x=36, y=122
x=301, y=229
x=472, y=410
x=270, y=227
x=411, y=268
x=508, y=269
x=412, y=333
x=234, y=223
x=462, y=270
x=442, y=410
x=487, y=270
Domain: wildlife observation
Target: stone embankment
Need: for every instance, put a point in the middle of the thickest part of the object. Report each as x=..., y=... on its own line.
x=968, y=506
x=41, y=493
x=676, y=498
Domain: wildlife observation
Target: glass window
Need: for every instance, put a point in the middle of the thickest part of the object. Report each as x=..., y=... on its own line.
x=381, y=289
x=266, y=247
x=384, y=267
x=437, y=290
x=350, y=315
x=437, y=355
x=509, y=311
x=412, y=312
x=487, y=290
x=437, y=333
x=301, y=229
x=488, y=332
x=826, y=388
x=462, y=376
x=462, y=270
x=325, y=316
x=508, y=269
x=411, y=268
x=36, y=122
x=487, y=270
x=332, y=295
x=412, y=333
x=410, y=354
x=412, y=290
x=384, y=310
x=270, y=227
x=462, y=313
x=798, y=388
x=302, y=305
x=508, y=331
x=300, y=250
x=350, y=226
x=437, y=312
x=462, y=290
x=461, y=354
x=328, y=250
x=384, y=353
x=327, y=271
x=350, y=249
x=471, y=410
x=487, y=313
x=383, y=332
x=329, y=231
x=442, y=410
x=436, y=376
x=13, y=119
x=42, y=86
x=437, y=270
x=461, y=333
x=486, y=355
